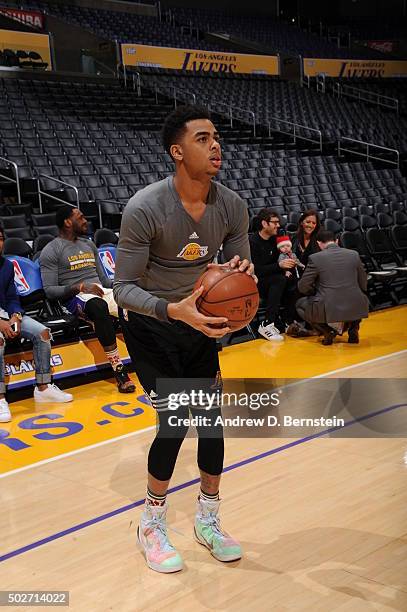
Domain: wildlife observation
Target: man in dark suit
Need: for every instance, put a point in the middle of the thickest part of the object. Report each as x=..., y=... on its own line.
x=335, y=281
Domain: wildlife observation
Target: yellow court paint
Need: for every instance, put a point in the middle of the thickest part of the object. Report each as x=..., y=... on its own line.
x=381, y=334
x=99, y=412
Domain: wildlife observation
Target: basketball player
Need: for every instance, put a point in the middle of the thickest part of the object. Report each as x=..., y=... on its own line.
x=170, y=232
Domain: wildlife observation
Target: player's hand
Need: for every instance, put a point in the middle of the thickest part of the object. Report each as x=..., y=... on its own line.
x=186, y=311
x=5, y=329
x=286, y=264
x=93, y=288
x=243, y=266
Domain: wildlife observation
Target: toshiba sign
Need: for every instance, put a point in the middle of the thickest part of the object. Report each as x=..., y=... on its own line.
x=30, y=18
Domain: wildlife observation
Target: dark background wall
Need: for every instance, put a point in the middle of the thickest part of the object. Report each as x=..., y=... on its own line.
x=310, y=8
x=233, y=6
x=69, y=40
x=350, y=8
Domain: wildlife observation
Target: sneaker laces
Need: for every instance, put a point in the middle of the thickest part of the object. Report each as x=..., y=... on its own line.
x=157, y=524
x=211, y=519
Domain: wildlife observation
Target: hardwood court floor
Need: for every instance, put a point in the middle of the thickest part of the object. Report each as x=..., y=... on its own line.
x=323, y=522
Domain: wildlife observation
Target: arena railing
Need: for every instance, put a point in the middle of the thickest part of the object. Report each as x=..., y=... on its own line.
x=136, y=77
x=233, y=112
x=99, y=204
x=296, y=129
x=15, y=180
x=364, y=95
x=53, y=197
x=177, y=93
x=367, y=150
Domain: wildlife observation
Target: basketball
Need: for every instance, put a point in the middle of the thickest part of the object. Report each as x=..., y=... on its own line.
x=228, y=293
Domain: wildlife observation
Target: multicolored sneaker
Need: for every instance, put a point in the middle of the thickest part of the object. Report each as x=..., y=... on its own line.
x=160, y=554
x=209, y=533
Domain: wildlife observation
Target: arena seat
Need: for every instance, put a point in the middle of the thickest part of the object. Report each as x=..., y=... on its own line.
x=27, y=278
x=105, y=237
x=17, y=246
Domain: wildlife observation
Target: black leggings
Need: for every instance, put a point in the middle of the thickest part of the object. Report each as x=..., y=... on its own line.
x=98, y=312
x=165, y=447
x=178, y=353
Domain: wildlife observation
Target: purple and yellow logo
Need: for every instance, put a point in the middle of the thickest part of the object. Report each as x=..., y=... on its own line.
x=192, y=251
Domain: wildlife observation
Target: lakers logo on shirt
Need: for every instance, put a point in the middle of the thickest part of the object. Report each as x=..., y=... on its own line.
x=193, y=251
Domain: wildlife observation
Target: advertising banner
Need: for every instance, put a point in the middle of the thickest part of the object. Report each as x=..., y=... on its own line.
x=25, y=41
x=354, y=68
x=66, y=360
x=30, y=18
x=198, y=61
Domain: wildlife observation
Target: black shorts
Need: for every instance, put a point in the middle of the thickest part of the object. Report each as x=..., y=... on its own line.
x=176, y=351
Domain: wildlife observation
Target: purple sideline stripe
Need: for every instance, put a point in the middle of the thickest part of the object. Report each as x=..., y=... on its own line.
x=184, y=485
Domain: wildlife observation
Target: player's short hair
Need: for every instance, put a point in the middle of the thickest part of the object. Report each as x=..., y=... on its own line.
x=325, y=236
x=265, y=214
x=63, y=214
x=175, y=124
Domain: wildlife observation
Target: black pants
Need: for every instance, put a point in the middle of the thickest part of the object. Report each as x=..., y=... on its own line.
x=175, y=353
x=301, y=306
x=277, y=290
x=98, y=312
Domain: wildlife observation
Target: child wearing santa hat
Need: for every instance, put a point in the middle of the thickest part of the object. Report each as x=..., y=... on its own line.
x=285, y=246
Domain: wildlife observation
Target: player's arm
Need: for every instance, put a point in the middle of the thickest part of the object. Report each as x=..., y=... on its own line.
x=236, y=247
x=132, y=255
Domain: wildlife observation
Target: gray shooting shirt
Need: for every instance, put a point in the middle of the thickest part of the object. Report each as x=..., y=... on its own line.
x=162, y=251
x=65, y=263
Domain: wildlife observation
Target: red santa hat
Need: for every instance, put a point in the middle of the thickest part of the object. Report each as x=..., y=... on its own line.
x=283, y=241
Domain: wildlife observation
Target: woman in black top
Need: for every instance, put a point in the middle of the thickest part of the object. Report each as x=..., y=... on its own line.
x=306, y=239
x=305, y=244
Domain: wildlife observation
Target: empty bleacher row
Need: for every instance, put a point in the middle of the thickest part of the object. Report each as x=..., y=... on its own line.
x=100, y=138
x=104, y=140
x=274, y=98
x=91, y=136
x=391, y=87
x=275, y=35
x=289, y=181
x=124, y=27
x=373, y=28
